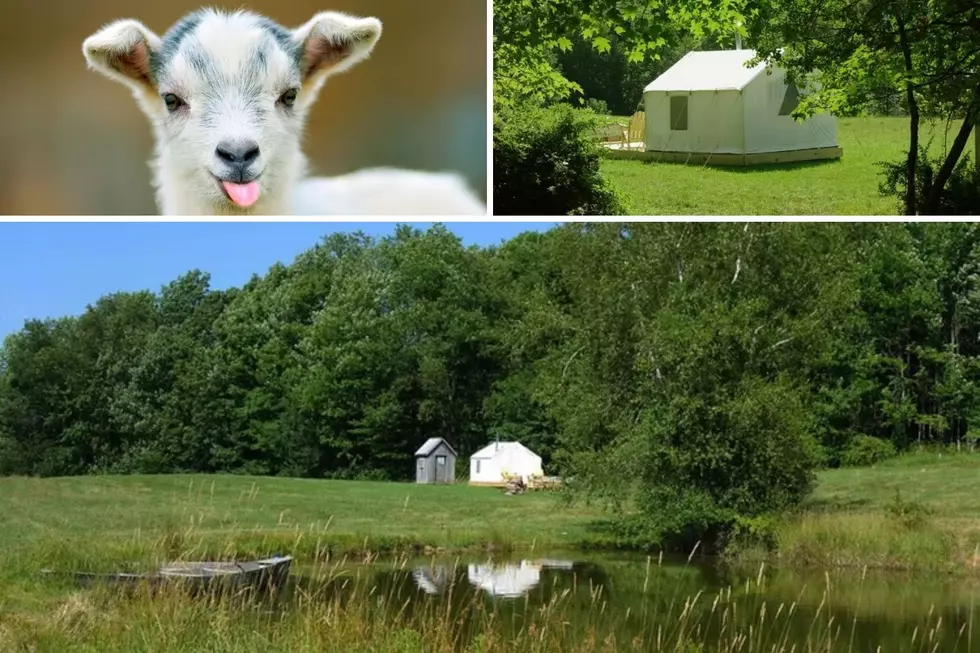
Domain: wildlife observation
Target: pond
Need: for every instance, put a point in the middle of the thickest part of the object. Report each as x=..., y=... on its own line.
x=676, y=604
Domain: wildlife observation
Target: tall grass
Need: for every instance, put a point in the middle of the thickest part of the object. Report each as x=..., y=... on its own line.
x=339, y=607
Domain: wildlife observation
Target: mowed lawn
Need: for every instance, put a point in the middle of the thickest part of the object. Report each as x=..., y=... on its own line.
x=945, y=483
x=848, y=186
x=917, y=511
x=102, y=518
x=92, y=514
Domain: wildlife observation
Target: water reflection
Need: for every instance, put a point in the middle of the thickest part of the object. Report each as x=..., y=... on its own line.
x=632, y=599
x=432, y=579
x=506, y=580
x=499, y=579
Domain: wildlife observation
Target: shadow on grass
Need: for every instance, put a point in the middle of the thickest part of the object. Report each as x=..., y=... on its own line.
x=834, y=505
x=748, y=169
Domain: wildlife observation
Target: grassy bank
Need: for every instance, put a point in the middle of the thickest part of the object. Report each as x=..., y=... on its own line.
x=852, y=519
x=917, y=511
x=848, y=186
x=649, y=608
x=85, y=520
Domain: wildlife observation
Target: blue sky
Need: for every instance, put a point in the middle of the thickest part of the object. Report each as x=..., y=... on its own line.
x=57, y=269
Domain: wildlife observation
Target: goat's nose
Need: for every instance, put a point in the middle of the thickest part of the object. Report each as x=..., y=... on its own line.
x=237, y=152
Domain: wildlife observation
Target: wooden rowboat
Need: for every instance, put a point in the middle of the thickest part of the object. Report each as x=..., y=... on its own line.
x=263, y=575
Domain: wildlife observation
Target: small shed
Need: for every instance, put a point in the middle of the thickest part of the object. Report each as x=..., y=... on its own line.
x=489, y=465
x=435, y=462
x=710, y=107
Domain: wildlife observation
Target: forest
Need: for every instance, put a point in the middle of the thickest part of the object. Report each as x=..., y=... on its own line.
x=714, y=366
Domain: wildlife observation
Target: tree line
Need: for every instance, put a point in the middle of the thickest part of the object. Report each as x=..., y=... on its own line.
x=710, y=365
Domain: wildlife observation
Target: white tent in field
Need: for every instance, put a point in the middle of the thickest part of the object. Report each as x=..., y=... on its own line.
x=489, y=465
x=710, y=107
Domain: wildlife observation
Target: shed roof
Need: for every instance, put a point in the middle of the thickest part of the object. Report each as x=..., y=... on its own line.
x=718, y=70
x=430, y=446
x=494, y=448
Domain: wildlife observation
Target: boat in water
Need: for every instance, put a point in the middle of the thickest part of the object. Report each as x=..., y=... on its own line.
x=263, y=575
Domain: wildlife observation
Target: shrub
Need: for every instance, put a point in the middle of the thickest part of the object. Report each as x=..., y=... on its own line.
x=911, y=514
x=865, y=450
x=546, y=163
x=962, y=193
x=598, y=106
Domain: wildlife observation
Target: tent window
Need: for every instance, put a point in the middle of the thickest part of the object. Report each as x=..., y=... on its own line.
x=678, y=113
x=790, y=101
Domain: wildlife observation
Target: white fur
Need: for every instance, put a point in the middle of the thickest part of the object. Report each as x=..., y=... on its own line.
x=387, y=191
x=230, y=72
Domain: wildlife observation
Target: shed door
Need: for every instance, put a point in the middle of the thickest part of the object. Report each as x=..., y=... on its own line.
x=441, y=475
x=420, y=470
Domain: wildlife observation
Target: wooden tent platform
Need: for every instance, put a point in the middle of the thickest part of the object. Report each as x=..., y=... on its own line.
x=711, y=159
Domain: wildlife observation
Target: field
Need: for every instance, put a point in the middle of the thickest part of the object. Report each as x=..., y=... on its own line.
x=918, y=511
x=854, y=518
x=848, y=186
x=86, y=518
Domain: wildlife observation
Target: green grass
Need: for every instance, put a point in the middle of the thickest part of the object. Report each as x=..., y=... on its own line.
x=643, y=608
x=99, y=521
x=854, y=517
x=917, y=511
x=848, y=186
x=89, y=519
x=945, y=482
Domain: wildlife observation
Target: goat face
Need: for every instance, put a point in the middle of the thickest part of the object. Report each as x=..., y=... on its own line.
x=228, y=94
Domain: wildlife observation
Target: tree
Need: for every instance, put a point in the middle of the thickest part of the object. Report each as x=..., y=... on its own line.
x=927, y=52
x=528, y=32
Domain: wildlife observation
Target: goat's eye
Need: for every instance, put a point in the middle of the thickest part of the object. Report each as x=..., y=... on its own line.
x=172, y=101
x=288, y=98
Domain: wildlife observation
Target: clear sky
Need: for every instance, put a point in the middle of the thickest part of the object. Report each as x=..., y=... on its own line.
x=57, y=269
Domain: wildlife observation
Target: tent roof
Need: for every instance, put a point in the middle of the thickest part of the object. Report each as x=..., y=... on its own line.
x=492, y=449
x=719, y=70
x=430, y=446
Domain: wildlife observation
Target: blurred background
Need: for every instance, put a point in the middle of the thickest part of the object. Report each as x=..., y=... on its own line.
x=75, y=142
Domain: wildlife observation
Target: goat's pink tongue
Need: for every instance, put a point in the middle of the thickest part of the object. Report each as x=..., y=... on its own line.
x=242, y=194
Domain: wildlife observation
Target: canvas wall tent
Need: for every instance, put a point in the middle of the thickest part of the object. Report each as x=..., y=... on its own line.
x=489, y=464
x=710, y=105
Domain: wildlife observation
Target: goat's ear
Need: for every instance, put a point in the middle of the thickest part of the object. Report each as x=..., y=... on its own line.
x=332, y=42
x=122, y=51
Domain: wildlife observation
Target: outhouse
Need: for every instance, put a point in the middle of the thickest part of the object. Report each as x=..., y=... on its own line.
x=435, y=462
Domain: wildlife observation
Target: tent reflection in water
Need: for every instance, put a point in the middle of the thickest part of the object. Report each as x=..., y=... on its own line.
x=512, y=580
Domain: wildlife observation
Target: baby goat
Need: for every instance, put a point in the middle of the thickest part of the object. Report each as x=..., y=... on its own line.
x=228, y=95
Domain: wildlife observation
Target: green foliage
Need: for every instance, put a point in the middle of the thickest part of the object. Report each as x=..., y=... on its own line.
x=545, y=162
x=690, y=377
x=597, y=106
x=962, y=191
x=524, y=74
x=527, y=34
x=761, y=531
x=614, y=77
x=912, y=515
x=898, y=53
x=865, y=450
